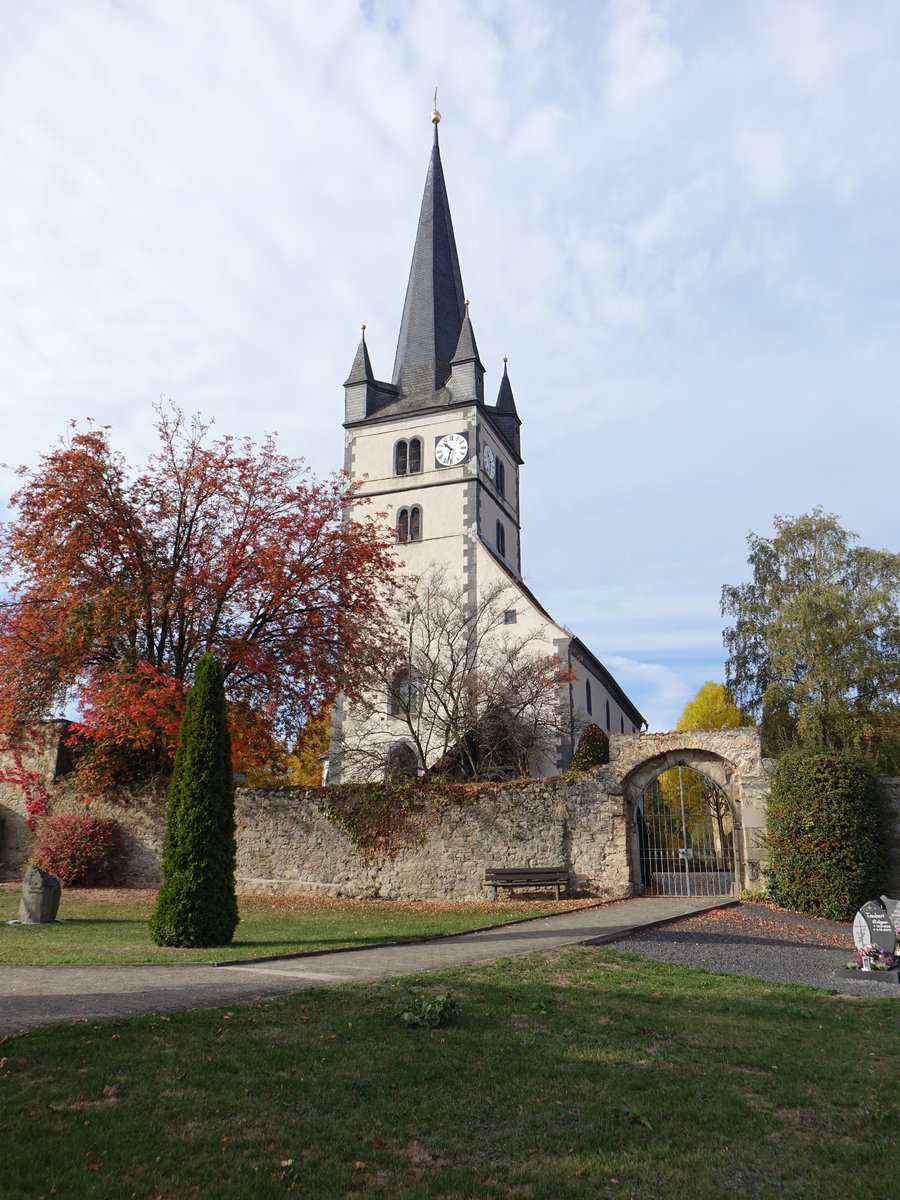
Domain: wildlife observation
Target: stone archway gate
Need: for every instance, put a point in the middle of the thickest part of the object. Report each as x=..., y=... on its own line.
x=729, y=758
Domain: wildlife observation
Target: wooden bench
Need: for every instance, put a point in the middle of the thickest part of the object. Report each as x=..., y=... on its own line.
x=523, y=877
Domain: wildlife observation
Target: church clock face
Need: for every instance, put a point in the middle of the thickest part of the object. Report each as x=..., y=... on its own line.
x=451, y=450
x=490, y=462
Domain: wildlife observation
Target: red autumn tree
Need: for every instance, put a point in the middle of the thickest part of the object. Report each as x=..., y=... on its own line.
x=119, y=581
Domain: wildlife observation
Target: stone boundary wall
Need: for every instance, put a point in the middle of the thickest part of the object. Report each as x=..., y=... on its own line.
x=285, y=844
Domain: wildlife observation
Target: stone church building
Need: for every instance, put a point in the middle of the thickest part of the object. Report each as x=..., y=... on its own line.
x=445, y=463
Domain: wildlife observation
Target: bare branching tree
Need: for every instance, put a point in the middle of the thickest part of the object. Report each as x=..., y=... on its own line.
x=469, y=692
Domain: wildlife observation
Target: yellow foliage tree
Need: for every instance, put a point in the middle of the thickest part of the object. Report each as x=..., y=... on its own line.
x=305, y=762
x=712, y=708
x=300, y=767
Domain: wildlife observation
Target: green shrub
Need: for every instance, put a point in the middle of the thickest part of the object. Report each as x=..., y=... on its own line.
x=80, y=849
x=426, y=1012
x=826, y=830
x=593, y=749
x=197, y=905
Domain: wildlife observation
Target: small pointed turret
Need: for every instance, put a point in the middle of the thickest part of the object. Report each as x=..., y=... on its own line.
x=433, y=310
x=363, y=393
x=361, y=371
x=507, y=418
x=466, y=372
x=466, y=349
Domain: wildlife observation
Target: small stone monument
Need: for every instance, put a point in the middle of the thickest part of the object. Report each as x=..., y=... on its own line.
x=872, y=927
x=893, y=911
x=40, y=898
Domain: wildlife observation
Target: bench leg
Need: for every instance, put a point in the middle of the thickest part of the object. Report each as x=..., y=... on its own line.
x=494, y=890
x=557, y=891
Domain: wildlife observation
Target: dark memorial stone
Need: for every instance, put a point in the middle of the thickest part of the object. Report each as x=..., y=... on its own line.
x=40, y=897
x=872, y=927
x=893, y=912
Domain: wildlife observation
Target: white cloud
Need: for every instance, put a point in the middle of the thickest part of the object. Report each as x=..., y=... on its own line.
x=640, y=58
x=809, y=43
x=765, y=159
x=678, y=221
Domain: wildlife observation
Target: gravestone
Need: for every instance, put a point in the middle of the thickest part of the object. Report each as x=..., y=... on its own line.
x=893, y=912
x=872, y=927
x=40, y=898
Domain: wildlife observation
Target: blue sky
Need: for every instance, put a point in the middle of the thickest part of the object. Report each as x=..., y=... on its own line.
x=678, y=220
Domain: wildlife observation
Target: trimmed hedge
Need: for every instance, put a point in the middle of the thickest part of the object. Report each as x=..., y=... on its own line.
x=79, y=849
x=826, y=830
x=196, y=905
x=593, y=749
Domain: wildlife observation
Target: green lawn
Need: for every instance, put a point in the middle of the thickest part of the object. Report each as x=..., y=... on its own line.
x=110, y=926
x=581, y=1073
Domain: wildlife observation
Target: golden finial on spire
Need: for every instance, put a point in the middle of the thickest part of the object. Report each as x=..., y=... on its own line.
x=435, y=115
x=466, y=302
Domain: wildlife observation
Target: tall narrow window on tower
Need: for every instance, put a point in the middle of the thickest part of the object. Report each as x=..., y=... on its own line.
x=501, y=539
x=408, y=457
x=500, y=478
x=409, y=524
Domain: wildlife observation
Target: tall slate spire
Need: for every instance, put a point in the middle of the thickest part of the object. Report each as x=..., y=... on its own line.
x=434, y=308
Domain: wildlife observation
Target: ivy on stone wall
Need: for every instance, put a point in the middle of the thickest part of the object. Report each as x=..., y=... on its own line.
x=381, y=819
x=14, y=772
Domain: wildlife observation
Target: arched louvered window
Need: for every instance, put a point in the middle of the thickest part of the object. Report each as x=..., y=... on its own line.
x=608, y=725
x=501, y=478
x=409, y=524
x=622, y=723
x=501, y=539
x=400, y=458
x=415, y=456
x=587, y=696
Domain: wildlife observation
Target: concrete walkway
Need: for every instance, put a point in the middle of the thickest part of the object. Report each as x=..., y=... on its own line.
x=53, y=995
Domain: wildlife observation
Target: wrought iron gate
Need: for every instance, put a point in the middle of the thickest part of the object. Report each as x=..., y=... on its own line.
x=685, y=836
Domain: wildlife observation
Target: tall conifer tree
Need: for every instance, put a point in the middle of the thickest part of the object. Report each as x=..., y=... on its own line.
x=197, y=904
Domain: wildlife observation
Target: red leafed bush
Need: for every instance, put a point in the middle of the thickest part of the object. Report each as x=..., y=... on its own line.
x=80, y=849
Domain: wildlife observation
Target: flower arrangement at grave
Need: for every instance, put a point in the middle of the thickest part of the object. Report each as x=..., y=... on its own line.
x=874, y=958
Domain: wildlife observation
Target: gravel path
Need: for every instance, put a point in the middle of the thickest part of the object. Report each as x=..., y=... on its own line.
x=764, y=942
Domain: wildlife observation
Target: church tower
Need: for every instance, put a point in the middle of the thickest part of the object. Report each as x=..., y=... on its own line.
x=442, y=462
x=427, y=449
